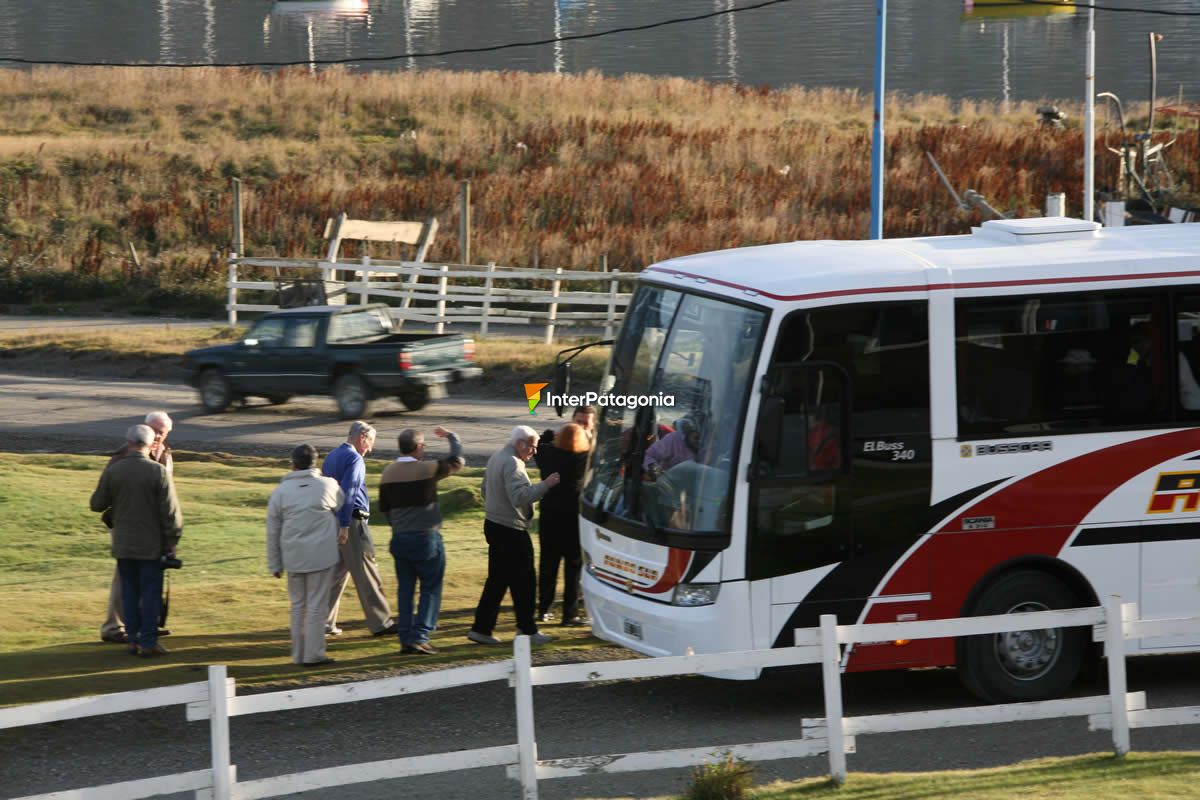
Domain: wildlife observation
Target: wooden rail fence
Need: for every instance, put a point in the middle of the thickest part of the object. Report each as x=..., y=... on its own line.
x=833, y=735
x=440, y=295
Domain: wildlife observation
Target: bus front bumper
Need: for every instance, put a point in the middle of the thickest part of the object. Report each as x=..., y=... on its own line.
x=658, y=629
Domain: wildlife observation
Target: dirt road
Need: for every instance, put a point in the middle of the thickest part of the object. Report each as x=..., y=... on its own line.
x=80, y=415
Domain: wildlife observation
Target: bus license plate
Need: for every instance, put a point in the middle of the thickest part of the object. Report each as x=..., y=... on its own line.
x=633, y=629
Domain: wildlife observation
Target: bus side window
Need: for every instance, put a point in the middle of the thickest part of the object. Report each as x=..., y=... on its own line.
x=1187, y=340
x=1061, y=363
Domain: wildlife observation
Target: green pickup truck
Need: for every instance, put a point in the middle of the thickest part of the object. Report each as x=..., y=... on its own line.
x=349, y=352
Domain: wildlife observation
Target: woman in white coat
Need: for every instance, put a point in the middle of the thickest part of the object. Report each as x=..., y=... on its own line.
x=302, y=532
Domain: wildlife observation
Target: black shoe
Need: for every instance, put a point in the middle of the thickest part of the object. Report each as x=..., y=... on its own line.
x=120, y=637
x=576, y=622
x=320, y=663
x=390, y=630
x=163, y=632
x=423, y=648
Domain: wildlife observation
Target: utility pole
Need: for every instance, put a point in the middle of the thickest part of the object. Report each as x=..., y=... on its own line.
x=1089, y=120
x=877, y=164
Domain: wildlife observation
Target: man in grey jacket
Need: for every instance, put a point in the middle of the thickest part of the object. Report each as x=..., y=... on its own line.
x=302, y=538
x=509, y=496
x=147, y=525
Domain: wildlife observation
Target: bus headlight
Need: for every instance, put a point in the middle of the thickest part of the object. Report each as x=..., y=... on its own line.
x=695, y=594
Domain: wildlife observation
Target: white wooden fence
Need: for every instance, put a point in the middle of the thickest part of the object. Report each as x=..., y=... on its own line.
x=835, y=734
x=440, y=295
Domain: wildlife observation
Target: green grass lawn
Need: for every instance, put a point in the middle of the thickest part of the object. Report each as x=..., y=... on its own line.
x=1145, y=776
x=55, y=571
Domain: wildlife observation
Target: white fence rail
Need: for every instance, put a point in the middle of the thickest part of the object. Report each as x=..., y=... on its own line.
x=440, y=295
x=835, y=734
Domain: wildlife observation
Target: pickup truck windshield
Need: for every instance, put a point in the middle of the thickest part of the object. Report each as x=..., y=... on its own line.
x=358, y=325
x=669, y=468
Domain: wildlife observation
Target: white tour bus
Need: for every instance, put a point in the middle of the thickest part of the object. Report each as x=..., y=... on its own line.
x=904, y=429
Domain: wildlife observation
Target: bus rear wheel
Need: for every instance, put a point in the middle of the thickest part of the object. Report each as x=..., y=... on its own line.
x=1021, y=666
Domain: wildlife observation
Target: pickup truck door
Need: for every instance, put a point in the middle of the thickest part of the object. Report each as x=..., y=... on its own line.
x=276, y=358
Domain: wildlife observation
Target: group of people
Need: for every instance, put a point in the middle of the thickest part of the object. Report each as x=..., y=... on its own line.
x=318, y=534
x=311, y=509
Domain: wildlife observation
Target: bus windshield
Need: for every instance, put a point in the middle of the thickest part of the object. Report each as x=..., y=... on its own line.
x=664, y=465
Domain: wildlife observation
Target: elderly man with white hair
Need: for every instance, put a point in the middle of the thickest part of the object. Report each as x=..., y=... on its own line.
x=509, y=496
x=113, y=627
x=146, y=525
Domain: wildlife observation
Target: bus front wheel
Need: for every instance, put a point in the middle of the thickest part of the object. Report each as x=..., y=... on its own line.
x=1020, y=666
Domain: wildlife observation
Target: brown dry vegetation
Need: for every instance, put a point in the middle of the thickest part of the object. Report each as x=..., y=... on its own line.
x=563, y=168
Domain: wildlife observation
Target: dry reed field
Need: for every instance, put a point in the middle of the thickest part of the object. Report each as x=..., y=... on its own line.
x=563, y=168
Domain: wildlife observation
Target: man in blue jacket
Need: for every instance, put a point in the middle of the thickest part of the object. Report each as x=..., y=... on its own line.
x=346, y=466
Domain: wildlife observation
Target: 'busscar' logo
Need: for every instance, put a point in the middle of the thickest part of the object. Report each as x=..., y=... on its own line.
x=1173, y=489
x=1007, y=449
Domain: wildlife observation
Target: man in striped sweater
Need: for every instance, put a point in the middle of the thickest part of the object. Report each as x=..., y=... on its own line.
x=408, y=496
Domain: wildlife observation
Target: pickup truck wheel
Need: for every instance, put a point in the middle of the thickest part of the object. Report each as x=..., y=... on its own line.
x=215, y=392
x=350, y=393
x=415, y=399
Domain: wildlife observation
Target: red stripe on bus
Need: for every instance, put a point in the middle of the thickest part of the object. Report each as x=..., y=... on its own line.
x=677, y=564
x=933, y=286
x=1035, y=515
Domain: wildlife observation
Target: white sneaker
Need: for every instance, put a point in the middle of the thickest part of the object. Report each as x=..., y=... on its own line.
x=481, y=638
x=540, y=638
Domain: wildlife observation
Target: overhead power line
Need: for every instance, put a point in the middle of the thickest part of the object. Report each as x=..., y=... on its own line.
x=432, y=54
x=532, y=42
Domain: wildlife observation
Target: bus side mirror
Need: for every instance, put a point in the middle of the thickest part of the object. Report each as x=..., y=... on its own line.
x=562, y=383
x=770, y=430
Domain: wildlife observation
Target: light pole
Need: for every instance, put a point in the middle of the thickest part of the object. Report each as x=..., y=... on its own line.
x=876, y=231
x=1089, y=119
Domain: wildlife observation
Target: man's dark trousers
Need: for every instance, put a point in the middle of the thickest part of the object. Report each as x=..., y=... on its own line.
x=141, y=595
x=510, y=568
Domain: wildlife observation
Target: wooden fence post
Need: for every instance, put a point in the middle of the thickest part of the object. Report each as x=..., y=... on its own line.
x=464, y=221
x=364, y=292
x=1056, y=204
x=231, y=300
x=411, y=287
x=443, y=282
x=831, y=677
x=1114, y=214
x=554, y=290
x=218, y=721
x=526, y=734
x=610, y=318
x=487, y=298
x=238, y=245
x=1114, y=651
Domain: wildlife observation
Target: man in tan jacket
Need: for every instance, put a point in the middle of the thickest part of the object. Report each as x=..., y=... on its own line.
x=146, y=526
x=302, y=538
